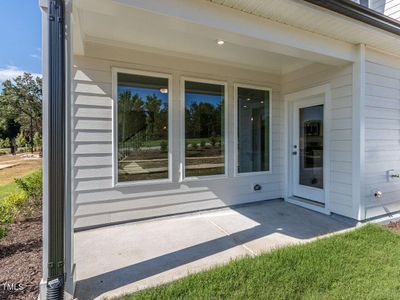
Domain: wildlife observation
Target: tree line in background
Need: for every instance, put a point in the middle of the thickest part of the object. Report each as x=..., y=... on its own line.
x=203, y=120
x=21, y=113
x=142, y=121
x=136, y=116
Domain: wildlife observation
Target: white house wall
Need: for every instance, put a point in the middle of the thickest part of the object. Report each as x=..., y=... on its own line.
x=382, y=133
x=340, y=80
x=390, y=8
x=98, y=202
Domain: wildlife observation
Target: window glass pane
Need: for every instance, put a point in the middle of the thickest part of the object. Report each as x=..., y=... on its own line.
x=204, y=129
x=253, y=130
x=142, y=127
x=311, y=146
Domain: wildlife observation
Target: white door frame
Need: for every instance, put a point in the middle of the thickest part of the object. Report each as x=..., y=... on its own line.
x=289, y=99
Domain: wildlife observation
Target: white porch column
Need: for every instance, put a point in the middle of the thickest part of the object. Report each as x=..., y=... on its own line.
x=358, y=134
x=69, y=204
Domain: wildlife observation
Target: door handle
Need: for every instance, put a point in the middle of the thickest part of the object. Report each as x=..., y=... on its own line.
x=294, y=152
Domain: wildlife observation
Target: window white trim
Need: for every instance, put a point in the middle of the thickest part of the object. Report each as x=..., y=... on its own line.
x=236, y=131
x=182, y=176
x=115, y=72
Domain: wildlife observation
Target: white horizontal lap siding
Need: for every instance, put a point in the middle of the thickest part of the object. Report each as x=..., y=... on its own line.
x=390, y=8
x=382, y=133
x=97, y=201
x=340, y=80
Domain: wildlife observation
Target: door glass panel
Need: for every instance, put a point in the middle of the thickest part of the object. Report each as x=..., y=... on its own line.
x=311, y=141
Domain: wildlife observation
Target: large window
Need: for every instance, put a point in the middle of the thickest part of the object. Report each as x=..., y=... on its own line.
x=142, y=114
x=253, y=127
x=204, y=129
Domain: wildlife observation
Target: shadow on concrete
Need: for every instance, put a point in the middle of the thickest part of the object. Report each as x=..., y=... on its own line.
x=272, y=217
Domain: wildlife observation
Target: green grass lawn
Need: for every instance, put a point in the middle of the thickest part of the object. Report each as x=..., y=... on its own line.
x=361, y=264
x=7, y=189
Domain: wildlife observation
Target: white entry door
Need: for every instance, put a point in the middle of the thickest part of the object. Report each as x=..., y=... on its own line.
x=308, y=149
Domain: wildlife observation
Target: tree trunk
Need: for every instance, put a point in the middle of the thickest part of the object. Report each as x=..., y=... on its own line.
x=31, y=134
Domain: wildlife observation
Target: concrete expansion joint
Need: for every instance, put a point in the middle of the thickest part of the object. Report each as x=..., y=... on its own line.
x=248, y=249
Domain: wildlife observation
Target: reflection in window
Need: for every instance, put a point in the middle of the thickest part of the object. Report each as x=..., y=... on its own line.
x=311, y=146
x=142, y=127
x=253, y=130
x=204, y=129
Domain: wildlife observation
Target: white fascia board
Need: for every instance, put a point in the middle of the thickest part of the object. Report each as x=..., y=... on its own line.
x=234, y=21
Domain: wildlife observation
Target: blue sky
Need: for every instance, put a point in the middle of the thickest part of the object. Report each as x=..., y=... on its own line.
x=21, y=38
x=143, y=93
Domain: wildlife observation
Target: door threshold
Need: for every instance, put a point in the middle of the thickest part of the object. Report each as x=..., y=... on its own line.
x=309, y=204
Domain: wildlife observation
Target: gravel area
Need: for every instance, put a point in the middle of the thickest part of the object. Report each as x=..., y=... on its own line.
x=21, y=260
x=394, y=225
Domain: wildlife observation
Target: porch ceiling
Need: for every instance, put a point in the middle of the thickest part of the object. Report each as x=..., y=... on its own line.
x=137, y=27
x=303, y=15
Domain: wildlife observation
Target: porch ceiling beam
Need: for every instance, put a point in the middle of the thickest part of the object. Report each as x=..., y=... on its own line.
x=269, y=35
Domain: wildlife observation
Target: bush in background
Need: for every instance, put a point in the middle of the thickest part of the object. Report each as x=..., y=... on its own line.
x=3, y=232
x=164, y=146
x=21, y=140
x=20, y=205
x=3, y=152
x=37, y=141
x=11, y=207
x=213, y=140
x=5, y=143
x=32, y=186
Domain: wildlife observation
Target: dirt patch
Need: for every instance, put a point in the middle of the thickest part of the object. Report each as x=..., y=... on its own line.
x=394, y=226
x=21, y=259
x=21, y=166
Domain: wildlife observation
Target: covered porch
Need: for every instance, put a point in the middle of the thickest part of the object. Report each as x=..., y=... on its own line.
x=126, y=258
x=245, y=71
x=175, y=49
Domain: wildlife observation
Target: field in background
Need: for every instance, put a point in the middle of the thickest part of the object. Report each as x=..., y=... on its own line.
x=17, y=166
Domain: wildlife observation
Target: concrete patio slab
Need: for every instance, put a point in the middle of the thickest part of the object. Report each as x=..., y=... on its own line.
x=274, y=225
x=122, y=259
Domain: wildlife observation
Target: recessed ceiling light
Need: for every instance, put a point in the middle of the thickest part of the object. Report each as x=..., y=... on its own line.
x=220, y=42
x=248, y=99
x=261, y=102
